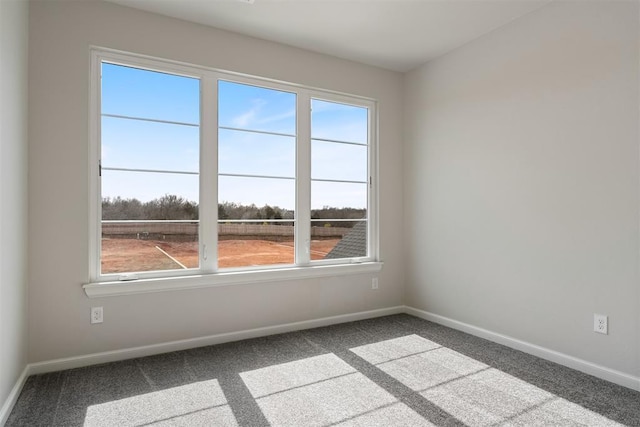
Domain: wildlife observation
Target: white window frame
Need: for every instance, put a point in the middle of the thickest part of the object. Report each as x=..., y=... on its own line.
x=208, y=274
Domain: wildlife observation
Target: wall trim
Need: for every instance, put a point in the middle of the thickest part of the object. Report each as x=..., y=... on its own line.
x=153, y=349
x=8, y=405
x=581, y=365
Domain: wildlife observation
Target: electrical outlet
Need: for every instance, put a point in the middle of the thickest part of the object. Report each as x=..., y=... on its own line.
x=374, y=283
x=96, y=315
x=600, y=324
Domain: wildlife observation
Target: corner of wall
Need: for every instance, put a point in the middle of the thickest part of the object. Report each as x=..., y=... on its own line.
x=14, y=38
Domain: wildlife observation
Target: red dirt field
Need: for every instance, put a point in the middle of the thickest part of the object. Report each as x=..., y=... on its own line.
x=130, y=255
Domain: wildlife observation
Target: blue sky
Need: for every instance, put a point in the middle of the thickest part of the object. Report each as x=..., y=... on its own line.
x=175, y=147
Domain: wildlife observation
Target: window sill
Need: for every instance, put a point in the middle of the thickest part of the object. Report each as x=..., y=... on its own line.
x=141, y=286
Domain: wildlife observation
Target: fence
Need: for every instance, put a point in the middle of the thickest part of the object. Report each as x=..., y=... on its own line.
x=188, y=231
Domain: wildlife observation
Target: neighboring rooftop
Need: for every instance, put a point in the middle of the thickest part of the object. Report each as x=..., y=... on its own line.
x=352, y=245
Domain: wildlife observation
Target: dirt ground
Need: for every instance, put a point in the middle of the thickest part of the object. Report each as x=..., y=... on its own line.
x=130, y=255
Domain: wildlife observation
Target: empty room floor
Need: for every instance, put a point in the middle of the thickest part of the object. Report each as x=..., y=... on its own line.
x=390, y=371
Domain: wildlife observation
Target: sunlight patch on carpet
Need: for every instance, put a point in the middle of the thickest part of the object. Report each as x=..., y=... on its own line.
x=325, y=390
x=200, y=403
x=471, y=391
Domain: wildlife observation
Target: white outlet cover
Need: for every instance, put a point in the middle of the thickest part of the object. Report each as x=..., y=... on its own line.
x=600, y=324
x=96, y=315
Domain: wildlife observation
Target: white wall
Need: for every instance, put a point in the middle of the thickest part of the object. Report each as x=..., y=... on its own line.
x=521, y=182
x=61, y=33
x=14, y=39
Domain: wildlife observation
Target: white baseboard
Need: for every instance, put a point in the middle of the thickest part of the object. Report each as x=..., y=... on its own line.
x=598, y=371
x=13, y=396
x=150, y=350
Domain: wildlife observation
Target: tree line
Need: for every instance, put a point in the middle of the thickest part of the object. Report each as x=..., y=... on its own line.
x=172, y=207
x=166, y=207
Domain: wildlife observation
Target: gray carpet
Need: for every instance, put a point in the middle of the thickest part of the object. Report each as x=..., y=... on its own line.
x=391, y=371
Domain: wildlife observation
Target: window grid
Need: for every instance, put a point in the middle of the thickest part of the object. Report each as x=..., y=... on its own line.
x=208, y=161
x=357, y=243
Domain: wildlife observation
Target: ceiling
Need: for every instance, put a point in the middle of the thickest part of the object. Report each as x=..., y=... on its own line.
x=394, y=34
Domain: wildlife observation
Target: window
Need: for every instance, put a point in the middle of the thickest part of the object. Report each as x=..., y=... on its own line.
x=339, y=178
x=149, y=175
x=256, y=175
x=197, y=172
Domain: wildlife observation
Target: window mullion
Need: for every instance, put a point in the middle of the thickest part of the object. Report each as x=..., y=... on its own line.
x=303, y=179
x=372, y=172
x=95, y=202
x=208, y=210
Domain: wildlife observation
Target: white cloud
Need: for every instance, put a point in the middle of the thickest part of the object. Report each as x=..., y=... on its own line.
x=256, y=115
x=277, y=117
x=244, y=119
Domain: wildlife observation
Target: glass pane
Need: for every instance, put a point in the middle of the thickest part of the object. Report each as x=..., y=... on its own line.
x=338, y=239
x=149, y=145
x=338, y=195
x=228, y=212
x=135, y=92
x=253, y=228
x=251, y=107
x=336, y=231
x=339, y=122
x=256, y=154
x=149, y=222
x=259, y=192
x=331, y=160
x=148, y=246
x=249, y=245
x=146, y=186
